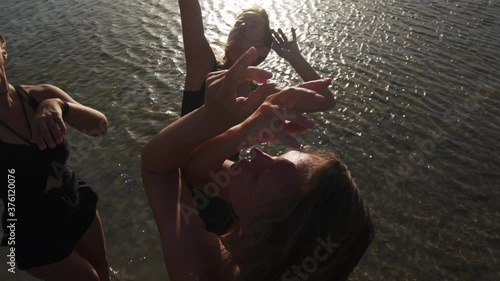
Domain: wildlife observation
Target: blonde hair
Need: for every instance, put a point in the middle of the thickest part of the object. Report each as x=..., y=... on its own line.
x=268, y=36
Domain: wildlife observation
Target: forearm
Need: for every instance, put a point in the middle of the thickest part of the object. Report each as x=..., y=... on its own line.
x=85, y=119
x=200, y=58
x=191, y=20
x=78, y=116
x=210, y=156
x=168, y=150
x=307, y=73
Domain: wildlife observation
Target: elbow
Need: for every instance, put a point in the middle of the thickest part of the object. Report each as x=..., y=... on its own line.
x=103, y=125
x=150, y=161
x=97, y=128
x=186, y=173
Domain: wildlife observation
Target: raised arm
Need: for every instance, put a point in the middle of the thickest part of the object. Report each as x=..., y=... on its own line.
x=276, y=119
x=289, y=50
x=168, y=150
x=200, y=58
x=189, y=250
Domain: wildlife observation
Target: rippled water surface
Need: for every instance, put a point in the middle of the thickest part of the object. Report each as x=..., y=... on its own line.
x=417, y=84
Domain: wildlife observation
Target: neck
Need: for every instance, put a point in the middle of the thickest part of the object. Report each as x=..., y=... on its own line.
x=4, y=84
x=5, y=91
x=241, y=238
x=6, y=101
x=241, y=242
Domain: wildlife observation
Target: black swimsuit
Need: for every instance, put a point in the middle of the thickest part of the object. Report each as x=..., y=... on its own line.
x=47, y=225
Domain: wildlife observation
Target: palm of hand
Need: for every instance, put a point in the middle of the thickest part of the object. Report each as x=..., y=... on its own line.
x=283, y=47
x=221, y=93
x=286, y=49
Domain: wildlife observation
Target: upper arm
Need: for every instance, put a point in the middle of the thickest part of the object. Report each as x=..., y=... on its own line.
x=46, y=91
x=189, y=250
x=200, y=59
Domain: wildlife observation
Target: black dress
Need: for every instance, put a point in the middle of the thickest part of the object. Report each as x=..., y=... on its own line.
x=41, y=227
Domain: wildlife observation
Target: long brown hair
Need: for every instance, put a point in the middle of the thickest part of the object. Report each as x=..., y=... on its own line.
x=331, y=217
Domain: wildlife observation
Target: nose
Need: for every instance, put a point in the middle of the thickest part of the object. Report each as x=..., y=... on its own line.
x=260, y=160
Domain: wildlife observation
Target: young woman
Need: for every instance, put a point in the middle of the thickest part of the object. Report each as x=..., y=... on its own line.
x=251, y=29
x=299, y=215
x=56, y=233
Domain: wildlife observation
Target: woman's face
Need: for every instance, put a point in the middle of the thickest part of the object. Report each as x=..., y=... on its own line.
x=3, y=59
x=248, y=31
x=3, y=51
x=262, y=180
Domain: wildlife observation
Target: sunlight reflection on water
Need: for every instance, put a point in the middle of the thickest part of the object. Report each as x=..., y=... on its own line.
x=405, y=71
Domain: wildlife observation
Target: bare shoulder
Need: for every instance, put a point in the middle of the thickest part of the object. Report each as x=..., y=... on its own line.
x=42, y=92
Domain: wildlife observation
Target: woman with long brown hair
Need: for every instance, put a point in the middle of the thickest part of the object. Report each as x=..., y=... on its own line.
x=251, y=29
x=300, y=215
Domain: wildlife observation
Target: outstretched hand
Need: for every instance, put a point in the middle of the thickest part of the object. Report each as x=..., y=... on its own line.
x=280, y=116
x=220, y=96
x=264, y=109
x=48, y=125
x=284, y=47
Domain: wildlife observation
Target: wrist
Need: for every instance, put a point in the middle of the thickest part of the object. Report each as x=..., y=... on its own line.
x=242, y=135
x=64, y=108
x=212, y=121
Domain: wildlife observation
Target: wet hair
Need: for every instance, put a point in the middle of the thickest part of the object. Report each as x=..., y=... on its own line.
x=330, y=212
x=268, y=36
